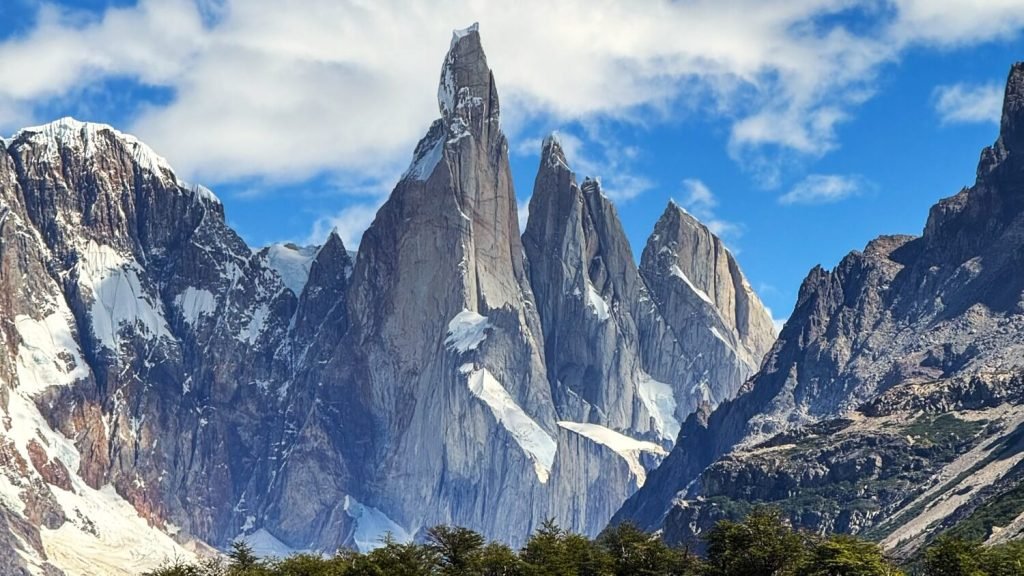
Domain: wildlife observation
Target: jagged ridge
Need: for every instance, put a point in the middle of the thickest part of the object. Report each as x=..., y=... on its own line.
x=912, y=334
x=300, y=398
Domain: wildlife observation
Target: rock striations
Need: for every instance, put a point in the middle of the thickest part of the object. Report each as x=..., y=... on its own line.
x=890, y=405
x=164, y=387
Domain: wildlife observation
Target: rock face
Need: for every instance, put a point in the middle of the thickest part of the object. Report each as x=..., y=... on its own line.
x=132, y=315
x=165, y=387
x=890, y=403
x=708, y=306
x=444, y=354
x=628, y=348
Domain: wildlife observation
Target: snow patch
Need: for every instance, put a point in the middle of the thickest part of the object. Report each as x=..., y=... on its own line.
x=660, y=402
x=266, y=545
x=551, y=142
x=118, y=297
x=466, y=331
x=195, y=303
x=200, y=192
x=204, y=193
x=678, y=273
x=718, y=335
x=627, y=448
x=104, y=534
x=459, y=34
x=372, y=525
x=703, y=391
x=423, y=164
x=596, y=303
x=257, y=323
x=741, y=352
x=538, y=445
x=84, y=137
x=10, y=495
x=292, y=264
x=48, y=354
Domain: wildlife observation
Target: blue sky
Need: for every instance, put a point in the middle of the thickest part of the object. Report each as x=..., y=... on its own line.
x=799, y=130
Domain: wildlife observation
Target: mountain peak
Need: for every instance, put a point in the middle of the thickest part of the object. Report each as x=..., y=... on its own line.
x=459, y=34
x=675, y=216
x=69, y=133
x=466, y=91
x=1011, y=129
x=551, y=151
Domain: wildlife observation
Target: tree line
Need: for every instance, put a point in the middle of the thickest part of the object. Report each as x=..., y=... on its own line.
x=763, y=544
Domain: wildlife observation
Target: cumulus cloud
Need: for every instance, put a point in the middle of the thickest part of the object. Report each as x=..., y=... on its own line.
x=824, y=189
x=281, y=89
x=350, y=223
x=963, y=103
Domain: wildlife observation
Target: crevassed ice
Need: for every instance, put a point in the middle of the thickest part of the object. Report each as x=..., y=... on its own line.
x=627, y=448
x=372, y=525
x=535, y=442
x=466, y=331
x=660, y=402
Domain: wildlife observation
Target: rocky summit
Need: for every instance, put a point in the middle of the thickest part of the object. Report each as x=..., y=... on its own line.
x=890, y=406
x=166, y=389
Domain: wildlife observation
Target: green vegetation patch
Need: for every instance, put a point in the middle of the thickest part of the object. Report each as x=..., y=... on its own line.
x=944, y=429
x=998, y=511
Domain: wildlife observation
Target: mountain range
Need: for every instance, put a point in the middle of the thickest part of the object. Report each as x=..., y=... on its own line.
x=166, y=389
x=890, y=405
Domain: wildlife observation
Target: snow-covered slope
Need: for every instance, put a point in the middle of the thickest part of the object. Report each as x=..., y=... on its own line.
x=291, y=263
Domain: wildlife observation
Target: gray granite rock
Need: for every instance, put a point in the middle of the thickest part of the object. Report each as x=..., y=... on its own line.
x=924, y=330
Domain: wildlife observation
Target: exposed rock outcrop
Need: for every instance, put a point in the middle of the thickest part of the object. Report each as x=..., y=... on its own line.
x=911, y=337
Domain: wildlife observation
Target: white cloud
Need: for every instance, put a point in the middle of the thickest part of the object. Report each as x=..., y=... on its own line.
x=952, y=23
x=963, y=103
x=824, y=189
x=600, y=155
x=777, y=323
x=523, y=213
x=282, y=89
x=350, y=223
x=701, y=202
